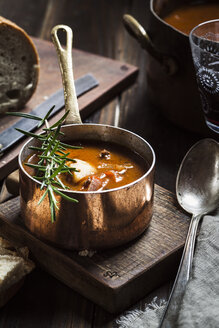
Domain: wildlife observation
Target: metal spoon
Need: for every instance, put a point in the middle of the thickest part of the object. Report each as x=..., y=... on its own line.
x=197, y=190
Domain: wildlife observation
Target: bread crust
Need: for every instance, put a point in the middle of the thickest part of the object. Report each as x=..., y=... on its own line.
x=19, y=62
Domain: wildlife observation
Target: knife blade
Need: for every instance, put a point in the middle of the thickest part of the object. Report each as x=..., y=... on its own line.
x=10, y=136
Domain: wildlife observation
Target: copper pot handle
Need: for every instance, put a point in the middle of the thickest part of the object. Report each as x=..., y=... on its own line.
x=66, y=67
x=168, y=63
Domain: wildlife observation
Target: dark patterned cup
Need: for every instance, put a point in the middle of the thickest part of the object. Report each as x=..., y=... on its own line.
x=204, y=41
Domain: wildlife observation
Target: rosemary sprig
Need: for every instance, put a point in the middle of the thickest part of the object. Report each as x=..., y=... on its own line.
x=52, y=159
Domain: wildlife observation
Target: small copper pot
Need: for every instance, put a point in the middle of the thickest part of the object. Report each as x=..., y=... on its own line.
x=101, y=219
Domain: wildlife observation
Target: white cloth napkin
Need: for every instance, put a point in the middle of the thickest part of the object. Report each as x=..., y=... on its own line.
x=200, y=304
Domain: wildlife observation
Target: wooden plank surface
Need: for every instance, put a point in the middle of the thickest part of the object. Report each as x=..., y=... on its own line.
x=113, y=77
x=116, y=278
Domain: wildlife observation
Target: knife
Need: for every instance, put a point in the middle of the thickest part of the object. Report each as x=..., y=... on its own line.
x=10, y=136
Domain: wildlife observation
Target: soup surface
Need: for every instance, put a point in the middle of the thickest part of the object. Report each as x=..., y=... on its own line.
x=185, y=18
x=100, y=166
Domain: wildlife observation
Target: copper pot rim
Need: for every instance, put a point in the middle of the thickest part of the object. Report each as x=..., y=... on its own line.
x=163, y=21
x=147, y=173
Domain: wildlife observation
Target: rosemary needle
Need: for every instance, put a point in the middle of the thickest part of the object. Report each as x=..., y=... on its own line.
x=52, y=159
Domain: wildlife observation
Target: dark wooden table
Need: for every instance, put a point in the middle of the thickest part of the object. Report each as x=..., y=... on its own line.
x=43, y=301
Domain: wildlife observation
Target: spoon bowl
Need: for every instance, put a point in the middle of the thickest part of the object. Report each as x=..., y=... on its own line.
x=197, y=183
x=197, y=191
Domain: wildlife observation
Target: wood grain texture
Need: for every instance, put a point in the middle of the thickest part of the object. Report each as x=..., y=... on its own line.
x=113, y=77
x=116, y=278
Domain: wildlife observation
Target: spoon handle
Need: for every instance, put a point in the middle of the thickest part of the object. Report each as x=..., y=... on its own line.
x=65, y=62
x=172, y=309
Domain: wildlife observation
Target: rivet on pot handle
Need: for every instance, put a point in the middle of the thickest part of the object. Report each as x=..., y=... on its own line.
x=137, y=31
x=65, y=62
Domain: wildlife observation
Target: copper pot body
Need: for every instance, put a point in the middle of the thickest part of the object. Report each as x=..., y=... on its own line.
x=101, y=219
x=171, y=81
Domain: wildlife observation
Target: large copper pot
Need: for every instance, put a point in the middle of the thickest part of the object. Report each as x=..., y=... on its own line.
x=101, y=219
x=171, y=82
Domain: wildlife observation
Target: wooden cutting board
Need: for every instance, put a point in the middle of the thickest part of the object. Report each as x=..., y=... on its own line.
x=116, y=278
x=113, y=77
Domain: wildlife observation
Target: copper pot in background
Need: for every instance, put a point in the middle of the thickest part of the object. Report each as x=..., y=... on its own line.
x=171, y=82
x=101, y=219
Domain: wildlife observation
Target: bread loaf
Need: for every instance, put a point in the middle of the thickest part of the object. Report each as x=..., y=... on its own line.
x=19, y=66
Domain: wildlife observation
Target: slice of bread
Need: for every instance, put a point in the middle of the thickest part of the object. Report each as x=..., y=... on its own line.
x=19, y=66
x=14, y=266
x=12, y=269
